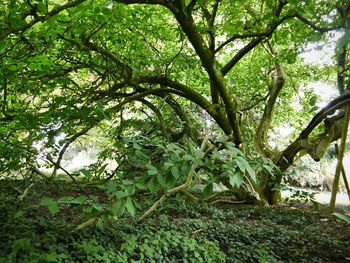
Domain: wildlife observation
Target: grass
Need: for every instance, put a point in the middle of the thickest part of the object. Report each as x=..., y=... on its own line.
x=178, y=232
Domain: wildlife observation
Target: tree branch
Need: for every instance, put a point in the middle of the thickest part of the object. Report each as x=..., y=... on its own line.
x=312, y=145
x=259, y=36
x=57, y=164
x=275, y=88
x=315, y=27
x=88, y=45
x=38, y=19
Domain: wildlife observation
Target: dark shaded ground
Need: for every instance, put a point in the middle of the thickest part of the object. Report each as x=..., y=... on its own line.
x=177, y=232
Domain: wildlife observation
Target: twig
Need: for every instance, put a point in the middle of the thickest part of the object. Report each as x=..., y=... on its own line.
x=192, y=196
x=199, y=230
x=25, y=192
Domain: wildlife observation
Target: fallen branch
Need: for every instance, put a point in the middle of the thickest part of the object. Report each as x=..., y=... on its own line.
x=176, y=189
x=25, y=192
x=200, y=230
x=228, y=201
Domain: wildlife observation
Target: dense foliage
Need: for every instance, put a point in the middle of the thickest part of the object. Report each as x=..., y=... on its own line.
x=179, y=232
x=180, y=100
x=172, y=69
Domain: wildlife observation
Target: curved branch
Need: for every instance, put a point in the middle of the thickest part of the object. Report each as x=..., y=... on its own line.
x=275, y=88
x=256, y=101
x=57, y=164
x=240, y=54
x=159, y=116
x=329, y=109
x=313, y=145
x=314, y=26
x=193, y=96
x=193, y=133
x=190, y=93
x=273, y=26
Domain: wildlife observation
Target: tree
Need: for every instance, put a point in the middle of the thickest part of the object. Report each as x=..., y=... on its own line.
x=69, y=67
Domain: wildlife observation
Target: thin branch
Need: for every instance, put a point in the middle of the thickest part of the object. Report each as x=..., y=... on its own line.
x=255, y=101
x=190, y=93
x=159, y=116
x=240, y=54
x=53, y=12
x=64, y=170
x=168, y=65
x=88, y=45
x=340, y=159
x=315, y=27
x=259, y=36
x=65, y=147
x=240, y=36
x=95, y=31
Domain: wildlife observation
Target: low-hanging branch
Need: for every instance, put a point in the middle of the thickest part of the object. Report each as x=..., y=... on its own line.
x=329, y=109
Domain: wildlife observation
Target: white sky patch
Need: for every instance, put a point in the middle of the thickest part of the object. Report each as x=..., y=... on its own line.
x=279, y=136
x=80, y=160
x=325, y=91
x=321, y=53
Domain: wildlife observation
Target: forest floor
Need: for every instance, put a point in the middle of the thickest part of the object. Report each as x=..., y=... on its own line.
x=178, y=231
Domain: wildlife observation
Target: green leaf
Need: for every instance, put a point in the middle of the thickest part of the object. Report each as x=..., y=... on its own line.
x=236, y=179
x=199, y=154
x=120, y=194
x=118, y=208
x=342, y=217
x=343, y=40
x=51, y=204
x=240, y=165
x=268, y=168
x=170, y=180
x=130, y=206
x=136, y=146
x=346, y=210
x=98, y=207
x=35, y=66
x=127, y=182
x=161, y=180
x=153, y=185
x=99, y=223
x=187, y=157
x=208, y=190
x=247, y=167
x=86, y=173
x=168, y=164
x=175, y=171
x=72, y=200
x=42, y=7
x=152, y=170
x=12, y=68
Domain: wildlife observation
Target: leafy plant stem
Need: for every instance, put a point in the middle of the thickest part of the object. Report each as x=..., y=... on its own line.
x=177, y=188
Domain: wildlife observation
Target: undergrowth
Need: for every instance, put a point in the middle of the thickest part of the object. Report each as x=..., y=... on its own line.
x=177, y=232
